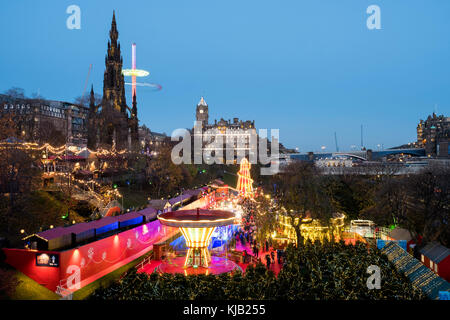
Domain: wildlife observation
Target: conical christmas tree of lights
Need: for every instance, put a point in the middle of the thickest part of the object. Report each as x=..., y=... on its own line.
x=245, y=182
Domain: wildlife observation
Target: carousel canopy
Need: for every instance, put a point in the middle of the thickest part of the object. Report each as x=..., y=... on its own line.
x=197, y=218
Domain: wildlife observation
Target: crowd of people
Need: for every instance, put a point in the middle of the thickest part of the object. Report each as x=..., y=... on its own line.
x=261, y=252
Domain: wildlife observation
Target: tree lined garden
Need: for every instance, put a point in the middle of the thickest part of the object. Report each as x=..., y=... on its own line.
x=328, y=271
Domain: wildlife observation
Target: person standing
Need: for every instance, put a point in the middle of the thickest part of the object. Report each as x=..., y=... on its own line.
x=268, y=261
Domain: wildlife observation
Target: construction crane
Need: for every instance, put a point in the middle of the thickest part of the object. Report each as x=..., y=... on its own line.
x=335, y=141
x=362, y=144
x=85, y=85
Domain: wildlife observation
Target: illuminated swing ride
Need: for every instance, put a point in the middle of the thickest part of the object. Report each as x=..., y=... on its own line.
x=133, y=73
x=197, y=227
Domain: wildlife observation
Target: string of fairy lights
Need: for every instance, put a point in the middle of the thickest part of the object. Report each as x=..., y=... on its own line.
x=64, y=149
x=58, y=150
x=311, y=231
x=244, y=185
x=245, y=182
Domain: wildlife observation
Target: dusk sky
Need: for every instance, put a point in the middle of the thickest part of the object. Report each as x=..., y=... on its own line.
x=309, y=68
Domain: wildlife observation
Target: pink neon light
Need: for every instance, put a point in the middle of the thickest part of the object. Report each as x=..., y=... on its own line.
x=133, y=66
x=133, y=56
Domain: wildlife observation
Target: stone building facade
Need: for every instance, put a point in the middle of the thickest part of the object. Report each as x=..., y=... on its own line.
x=151, y=142
x=40, y=120
x=433, y=134
x=236, y=135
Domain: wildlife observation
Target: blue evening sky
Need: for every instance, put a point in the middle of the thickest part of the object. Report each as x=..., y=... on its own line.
x=309, y=67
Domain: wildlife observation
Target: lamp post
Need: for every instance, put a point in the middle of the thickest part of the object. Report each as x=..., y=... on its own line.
x=24, y=233
x=181, y=201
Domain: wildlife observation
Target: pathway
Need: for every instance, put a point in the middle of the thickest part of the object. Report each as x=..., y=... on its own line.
x=275, y=267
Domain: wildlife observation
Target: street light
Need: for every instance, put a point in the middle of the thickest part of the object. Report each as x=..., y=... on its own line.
x=181, y=190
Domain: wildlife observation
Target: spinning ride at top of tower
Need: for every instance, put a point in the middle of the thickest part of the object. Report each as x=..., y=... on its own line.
x=245, y=182
x=133, y=72
x=197, y=227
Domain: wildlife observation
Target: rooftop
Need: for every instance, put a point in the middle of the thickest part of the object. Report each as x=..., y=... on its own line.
x=435, y=252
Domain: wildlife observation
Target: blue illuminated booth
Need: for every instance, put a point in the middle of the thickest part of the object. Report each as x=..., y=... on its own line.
x=129, y=219
x=105, y=225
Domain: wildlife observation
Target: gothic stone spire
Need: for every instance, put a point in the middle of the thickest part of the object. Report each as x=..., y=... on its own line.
x=92, y=99
x=113, y=33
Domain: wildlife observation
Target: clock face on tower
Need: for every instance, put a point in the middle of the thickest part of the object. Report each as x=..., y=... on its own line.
x=202, y=112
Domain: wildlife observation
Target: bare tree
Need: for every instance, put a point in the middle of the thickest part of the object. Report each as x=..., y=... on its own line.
x=16, y=93
x=49, y=134
x=162, y=173
x=264, y=213
x=428, y=203
x=84, y=100
x=302, y=194
x=37, y=96
x=417, y=202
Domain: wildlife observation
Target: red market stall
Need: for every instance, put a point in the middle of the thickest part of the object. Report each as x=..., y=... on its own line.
x=75, y=268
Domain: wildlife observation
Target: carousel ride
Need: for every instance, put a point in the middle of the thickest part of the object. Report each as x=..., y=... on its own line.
x=197, y=227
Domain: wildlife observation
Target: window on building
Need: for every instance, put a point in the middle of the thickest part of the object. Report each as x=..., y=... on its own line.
x=423, y=260
x=431, y=265
x=436, y=268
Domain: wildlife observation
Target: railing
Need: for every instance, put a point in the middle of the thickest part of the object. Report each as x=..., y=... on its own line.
x=145, y=261
x=381, y=233
x=63, y=292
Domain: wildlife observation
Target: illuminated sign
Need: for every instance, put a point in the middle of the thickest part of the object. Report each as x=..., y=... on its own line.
x=47, y=260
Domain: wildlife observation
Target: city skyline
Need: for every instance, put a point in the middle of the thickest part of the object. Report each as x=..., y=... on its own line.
x=294, y=73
